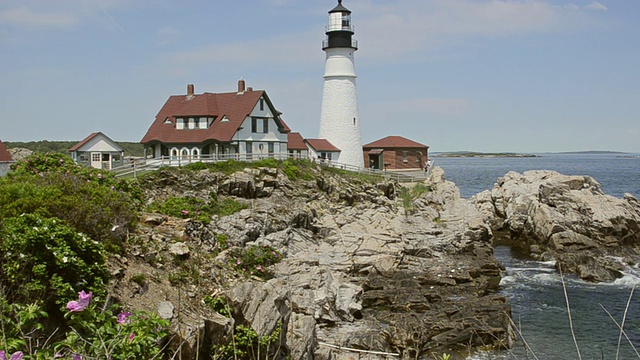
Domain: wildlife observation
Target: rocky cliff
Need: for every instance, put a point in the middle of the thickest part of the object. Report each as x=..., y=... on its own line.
x=362, y=272
x=569, y=219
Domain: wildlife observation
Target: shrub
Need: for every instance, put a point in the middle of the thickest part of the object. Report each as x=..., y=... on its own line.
x=247, y=344
x=101, y=212
x=196, y=166
x=254, y=260
x=218, y=304
x=42, y=259
x=189, y=207
x=112, y=334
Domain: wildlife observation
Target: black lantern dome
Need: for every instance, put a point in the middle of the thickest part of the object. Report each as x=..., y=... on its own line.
x=340, y=30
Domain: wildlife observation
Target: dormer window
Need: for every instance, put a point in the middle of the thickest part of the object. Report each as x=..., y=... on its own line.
x=180, y=123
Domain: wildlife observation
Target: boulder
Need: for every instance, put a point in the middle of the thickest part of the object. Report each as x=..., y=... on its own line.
x=567, y=218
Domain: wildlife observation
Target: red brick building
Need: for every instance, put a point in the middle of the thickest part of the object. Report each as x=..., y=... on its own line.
x=395, y=153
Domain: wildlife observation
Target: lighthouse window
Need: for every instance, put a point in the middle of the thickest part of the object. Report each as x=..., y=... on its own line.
x=354, y=121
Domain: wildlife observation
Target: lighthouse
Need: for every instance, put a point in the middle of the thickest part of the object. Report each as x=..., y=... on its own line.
x=339, y=120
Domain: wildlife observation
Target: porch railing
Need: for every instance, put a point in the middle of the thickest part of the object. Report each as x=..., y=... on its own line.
x=138, y=166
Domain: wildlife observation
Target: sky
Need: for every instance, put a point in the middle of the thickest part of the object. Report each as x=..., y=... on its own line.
x=458, y=75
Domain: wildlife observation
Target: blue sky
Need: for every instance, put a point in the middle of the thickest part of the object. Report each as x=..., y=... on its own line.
x=479, y=75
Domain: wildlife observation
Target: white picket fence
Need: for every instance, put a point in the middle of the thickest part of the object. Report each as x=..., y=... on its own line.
x=139, y=166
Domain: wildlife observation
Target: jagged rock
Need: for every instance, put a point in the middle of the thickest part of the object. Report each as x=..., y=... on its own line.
x=564, y=217
x=301, y=337
x=358, y=271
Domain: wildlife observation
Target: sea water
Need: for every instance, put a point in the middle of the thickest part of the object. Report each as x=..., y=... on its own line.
x=535, y=289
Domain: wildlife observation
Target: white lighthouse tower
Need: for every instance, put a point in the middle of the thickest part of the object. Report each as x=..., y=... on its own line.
x=339, y=120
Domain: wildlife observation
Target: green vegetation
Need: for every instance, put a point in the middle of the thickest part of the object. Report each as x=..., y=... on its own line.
x=91, y=201
x=218, y=304
x=196, y=208
x=247, y=344
x=45, y=260
x=254, y=260
x=44, y=146
x=408, y=195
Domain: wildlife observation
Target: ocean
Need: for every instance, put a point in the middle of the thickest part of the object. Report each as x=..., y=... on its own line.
x=534, y=289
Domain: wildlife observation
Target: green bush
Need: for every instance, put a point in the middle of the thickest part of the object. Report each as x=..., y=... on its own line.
x=247, y=344
x=103, y=213
x=254, y=260
x=218, y=304
x=42, y=259
x=189, y=207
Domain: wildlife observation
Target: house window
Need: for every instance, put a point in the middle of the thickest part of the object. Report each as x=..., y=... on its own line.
x=405, y=155
x=180, y=124
x=261, y=104
x=192, y=123
x=254, y=125
x=95, y=157
x=265, y=125
x=271, y=149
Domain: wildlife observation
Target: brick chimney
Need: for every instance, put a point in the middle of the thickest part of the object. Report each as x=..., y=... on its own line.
x=241, y=87
x=190, y=91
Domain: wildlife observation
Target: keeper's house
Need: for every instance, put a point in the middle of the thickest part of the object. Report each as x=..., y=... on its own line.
x=217, y=125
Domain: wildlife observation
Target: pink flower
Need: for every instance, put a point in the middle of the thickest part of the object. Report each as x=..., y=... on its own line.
x=185, y=212
x=123, y=317
x=76, y=357
x=238, y=262
x=131, y=337
x=99, y=176
x=18, y=355
x=259, y=267
x=83, y=301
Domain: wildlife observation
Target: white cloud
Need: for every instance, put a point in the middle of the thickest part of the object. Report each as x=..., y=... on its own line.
x=596, y=6
x=24, y=16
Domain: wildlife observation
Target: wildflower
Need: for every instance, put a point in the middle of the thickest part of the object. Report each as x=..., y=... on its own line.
x=65, y=259
x=83, y=301
x=131, y=337
x=238, y=262
x=123, y=317
x=18, y=355
x=185, y=212
x=76, y=357
x=259, y=268
x=99, y=176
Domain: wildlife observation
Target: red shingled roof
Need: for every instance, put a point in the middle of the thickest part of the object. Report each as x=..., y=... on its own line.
x=78, y=145
x=394, y=142
x=4, y=154
x=236, y=107
x=295, y=141
x=321, y=145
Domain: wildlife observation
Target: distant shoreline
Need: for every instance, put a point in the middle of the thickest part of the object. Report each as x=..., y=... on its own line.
x=484, y=155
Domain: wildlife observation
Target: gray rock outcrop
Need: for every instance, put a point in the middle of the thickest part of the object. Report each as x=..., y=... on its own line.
x=565, y=218
x=360, y=268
